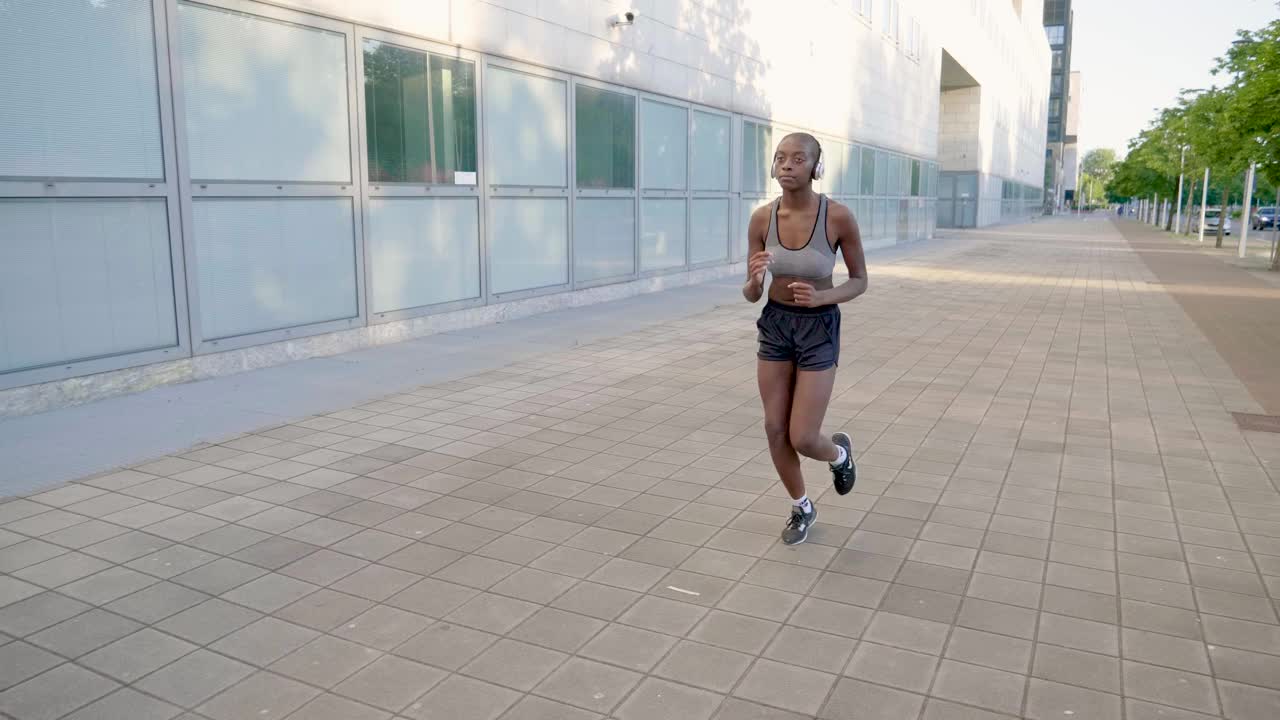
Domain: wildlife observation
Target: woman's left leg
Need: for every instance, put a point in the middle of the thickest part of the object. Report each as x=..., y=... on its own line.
x=809, y=401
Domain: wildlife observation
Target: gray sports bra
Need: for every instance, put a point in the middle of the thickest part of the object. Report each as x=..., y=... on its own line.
x=814, y=261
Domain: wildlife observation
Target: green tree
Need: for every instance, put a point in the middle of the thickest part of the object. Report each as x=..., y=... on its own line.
x=1100, y=164
x=1217, y=141
x=1253, y=103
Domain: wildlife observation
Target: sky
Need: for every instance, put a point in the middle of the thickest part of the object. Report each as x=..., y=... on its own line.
x=1136, y=55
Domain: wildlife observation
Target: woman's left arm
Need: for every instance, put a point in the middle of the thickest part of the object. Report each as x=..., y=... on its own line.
x=850, y=239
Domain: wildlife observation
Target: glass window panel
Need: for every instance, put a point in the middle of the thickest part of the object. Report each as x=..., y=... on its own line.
x=849, y=184
x=747, y=208
x=710, y=151
x=710, y=230
x=83, y=279
x=265, y=100
x=882, y=173
x=868, y=171
x=604, y=232
x=757, y=156
x=80, y=97
x=904, y=176
x=915, y=178
x=833, y=160
x=893, y=181
x=423, y=251
x=453, y=117
x=605, y=134
x=665, y=142
x=528, y=243
x=273, y=263
x=662, y=237
x=528, y=129
x=396, y=109
x=866, y=224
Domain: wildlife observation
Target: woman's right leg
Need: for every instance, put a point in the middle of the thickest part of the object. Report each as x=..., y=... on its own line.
x=777, y=386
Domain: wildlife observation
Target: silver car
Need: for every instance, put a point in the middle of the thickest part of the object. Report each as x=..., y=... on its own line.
x=1211, y=218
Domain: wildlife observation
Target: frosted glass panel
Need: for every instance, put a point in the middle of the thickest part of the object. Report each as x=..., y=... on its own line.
x=274, y=263
x=662, y=238
x=709, y=240
x=528, y=130
x=79, y=95
x=757, y=156
x=741, y=244
x=423, y=251
x=265, y=100
x=528, y=243
x=852, y=163
x=711, y=139
x=603, y=238
x=665, y=143
x=82, y=279
x=833, y=158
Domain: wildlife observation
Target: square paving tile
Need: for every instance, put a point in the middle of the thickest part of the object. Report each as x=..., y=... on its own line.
x=195, y=678
x=262, y=694
x=857, y=699
x=54, y=693
x=462, y=698
x=704, y=666
x=628, y=647
x=325, y=661
x=589, y=685
x=517, y=665
x=132, y=657
x=391, y=683
x=446, y=645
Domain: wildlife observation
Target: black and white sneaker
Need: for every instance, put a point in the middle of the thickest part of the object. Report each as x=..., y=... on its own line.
x=845, y=474
x=797, y=529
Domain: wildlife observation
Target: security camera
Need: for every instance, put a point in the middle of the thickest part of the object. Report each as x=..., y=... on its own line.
x=624, y=18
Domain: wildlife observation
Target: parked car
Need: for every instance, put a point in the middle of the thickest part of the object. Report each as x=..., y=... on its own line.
x=1263, y=218
x=1211, y=218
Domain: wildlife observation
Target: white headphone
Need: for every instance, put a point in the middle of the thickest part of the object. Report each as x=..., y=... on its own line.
x=819, y=168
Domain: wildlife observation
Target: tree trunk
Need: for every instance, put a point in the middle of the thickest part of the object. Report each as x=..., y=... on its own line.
x=1275, y=235
x=1222, y=219
x=1168, y=217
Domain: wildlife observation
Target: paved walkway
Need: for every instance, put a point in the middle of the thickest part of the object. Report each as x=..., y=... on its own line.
x=1056, y=516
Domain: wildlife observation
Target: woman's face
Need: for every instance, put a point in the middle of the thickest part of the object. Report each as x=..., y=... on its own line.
x=793, y=163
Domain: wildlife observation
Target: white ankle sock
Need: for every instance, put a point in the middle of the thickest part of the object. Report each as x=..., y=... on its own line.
x=803, y=504
x=841, y=456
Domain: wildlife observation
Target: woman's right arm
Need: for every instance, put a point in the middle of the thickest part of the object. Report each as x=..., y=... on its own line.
x=757, y=257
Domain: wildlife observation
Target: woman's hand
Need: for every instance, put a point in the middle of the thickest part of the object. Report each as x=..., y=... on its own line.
x=757, y=266
x=805, y=295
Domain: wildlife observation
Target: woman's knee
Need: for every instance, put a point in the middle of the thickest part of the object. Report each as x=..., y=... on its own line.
x=777, y=433
x=807, y=442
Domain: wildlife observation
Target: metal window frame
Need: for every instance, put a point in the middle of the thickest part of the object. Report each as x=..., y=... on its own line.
x=581, y=193
x=491, y=192
x=371, y=191
x=230, y=190
x=166, y=188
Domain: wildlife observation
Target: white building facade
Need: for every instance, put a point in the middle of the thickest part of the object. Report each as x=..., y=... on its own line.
x=194, y=188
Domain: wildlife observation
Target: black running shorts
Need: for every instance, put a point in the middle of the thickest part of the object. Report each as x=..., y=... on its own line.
x=808, y=337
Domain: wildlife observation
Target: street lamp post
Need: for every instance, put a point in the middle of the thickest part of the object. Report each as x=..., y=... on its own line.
x=1204, y=200
x=1244, y=216
x=1177, y=223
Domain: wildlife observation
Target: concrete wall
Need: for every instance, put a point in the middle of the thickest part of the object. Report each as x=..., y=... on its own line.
x=1009, y=57
x=959, y=141
x=809, y=63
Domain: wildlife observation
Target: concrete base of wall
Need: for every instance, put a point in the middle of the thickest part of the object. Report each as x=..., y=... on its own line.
x=75, y=391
